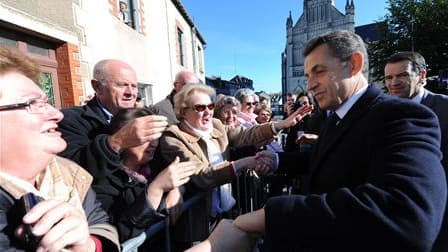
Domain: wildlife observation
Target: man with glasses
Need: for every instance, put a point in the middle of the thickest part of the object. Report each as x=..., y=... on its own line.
x=166, y=106
x=86, y=128
x=66, y=213
x=405, y=77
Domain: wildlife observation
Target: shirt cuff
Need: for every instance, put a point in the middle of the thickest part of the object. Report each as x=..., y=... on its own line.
x=274, y=130
x=233, y=169
x=98, y=245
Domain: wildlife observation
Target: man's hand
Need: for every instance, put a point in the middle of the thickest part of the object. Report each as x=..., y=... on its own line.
x=307, y=138
x=138, y=131
x=251, y=222
x=265, y=162
x=60, y=225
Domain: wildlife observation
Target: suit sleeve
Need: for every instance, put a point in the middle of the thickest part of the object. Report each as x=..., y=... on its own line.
x=399, y=207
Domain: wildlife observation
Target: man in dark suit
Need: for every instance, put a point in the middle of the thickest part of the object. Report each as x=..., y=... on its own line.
x=405, y=77
x=375, y=180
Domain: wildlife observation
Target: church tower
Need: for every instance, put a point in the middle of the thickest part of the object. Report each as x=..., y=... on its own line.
x=318, y=17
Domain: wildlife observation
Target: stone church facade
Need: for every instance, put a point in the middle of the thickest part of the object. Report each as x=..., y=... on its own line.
x=319, y=17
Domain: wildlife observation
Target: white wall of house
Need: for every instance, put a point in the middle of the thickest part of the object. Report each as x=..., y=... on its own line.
x=153, y=55
x=100, y=35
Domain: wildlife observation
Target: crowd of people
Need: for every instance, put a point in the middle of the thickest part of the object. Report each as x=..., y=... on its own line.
x=368, y=168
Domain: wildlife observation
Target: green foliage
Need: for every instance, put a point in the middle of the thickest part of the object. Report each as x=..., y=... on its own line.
x=419, y=25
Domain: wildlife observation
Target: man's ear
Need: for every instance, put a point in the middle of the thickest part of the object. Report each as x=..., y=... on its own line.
x=422, y=77
x=357, y=62
x=96, y=85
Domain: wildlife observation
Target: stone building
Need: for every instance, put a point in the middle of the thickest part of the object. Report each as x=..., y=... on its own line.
x=319, y=17
x=229, y=87
x=67, y=37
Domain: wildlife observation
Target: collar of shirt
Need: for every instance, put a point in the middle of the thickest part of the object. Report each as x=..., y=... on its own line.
x=106, y=112
x=201, y=133
x=419, y=97
x=348, y=104
x=17, y=186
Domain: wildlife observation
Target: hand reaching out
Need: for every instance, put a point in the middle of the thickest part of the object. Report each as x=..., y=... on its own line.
x=169, y=179
x=295, y=117
x=176, y=174
x=265, y=162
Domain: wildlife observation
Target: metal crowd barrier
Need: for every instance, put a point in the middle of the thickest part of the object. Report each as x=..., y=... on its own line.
x=250, y=192
x=133, y=244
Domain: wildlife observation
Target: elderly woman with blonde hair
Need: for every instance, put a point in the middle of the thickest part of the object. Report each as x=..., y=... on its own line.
x=200, y=137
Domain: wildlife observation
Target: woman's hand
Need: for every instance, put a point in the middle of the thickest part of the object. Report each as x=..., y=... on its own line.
x=294, y=118
x=173, y=176
x=176, y=174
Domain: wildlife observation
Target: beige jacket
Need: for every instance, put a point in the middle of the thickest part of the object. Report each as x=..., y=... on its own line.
x=179, y=140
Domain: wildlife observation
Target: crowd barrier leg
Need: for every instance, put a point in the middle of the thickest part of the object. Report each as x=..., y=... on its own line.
x=167, y=235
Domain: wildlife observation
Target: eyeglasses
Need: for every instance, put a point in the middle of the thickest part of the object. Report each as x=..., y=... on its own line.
x=202, y=107
x=34, y=106
x=251, y=103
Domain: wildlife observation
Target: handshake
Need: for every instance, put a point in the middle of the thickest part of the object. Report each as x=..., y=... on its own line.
x=264, y=162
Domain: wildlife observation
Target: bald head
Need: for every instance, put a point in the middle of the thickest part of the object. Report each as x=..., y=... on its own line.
x=115, y=84
x=185, y=77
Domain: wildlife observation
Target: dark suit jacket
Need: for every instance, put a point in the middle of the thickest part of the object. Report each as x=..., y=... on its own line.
x=439, y=104
x=165, y=107
x=375, y=185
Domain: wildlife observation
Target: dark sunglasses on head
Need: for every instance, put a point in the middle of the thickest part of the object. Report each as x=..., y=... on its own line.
x=252, y=103
x=202, y=107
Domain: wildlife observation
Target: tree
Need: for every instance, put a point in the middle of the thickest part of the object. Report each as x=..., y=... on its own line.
x=419, y=25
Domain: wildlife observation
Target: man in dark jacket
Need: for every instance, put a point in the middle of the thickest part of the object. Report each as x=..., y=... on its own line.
x=375, y=180
x=405, y=77
x=166, y=106
x=86, y=128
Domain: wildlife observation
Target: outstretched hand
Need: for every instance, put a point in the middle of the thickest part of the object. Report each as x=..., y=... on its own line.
x=295, y=117
x=176, y=174
x=265, y=162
